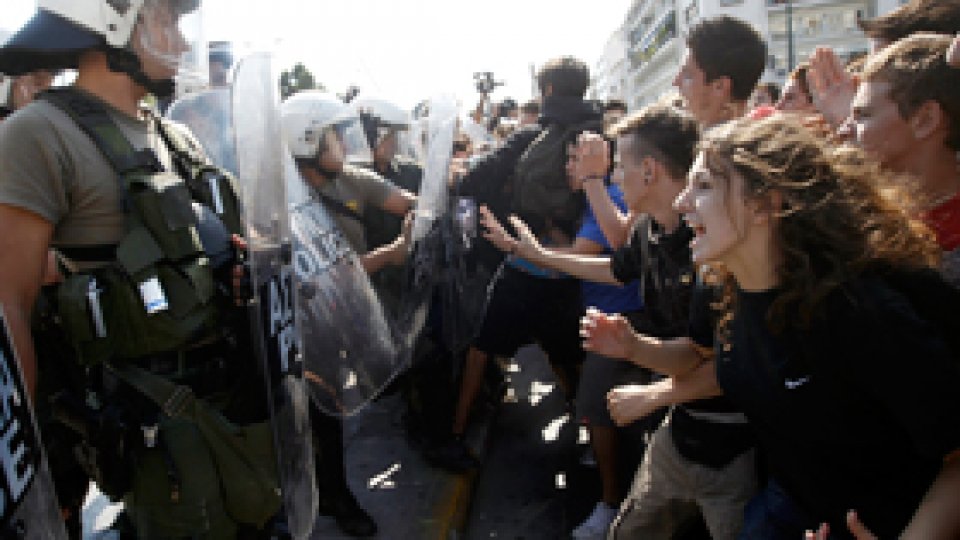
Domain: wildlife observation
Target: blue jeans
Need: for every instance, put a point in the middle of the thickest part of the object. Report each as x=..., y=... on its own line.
x=773, y=515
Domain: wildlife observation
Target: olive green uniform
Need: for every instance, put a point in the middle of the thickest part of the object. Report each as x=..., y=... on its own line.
x=53, y=169
x=356, y=189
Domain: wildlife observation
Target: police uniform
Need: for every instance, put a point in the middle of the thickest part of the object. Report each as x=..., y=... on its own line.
x=162, y=466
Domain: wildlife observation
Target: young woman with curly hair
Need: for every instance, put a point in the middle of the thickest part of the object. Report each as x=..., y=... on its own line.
x=826, y=340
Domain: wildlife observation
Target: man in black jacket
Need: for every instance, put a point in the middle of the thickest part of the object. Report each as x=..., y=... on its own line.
x=526, y=176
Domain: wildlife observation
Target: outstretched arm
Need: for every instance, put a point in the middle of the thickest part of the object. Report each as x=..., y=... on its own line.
x=612, y=336
x=628, y=404
x=525, y=245
x=394, y=253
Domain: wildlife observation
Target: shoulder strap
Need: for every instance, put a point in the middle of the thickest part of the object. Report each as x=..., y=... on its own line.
x=178, y=401
x=95, y=121
x=184, y=152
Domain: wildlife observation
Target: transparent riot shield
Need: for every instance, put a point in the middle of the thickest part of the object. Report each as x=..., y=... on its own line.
x=348, y=349
x=28, y=504
x=260, y=156
x=427, y=258
x=208, y=115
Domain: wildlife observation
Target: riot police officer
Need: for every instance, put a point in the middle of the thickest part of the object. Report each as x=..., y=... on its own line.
x=143, y=308
x=325, y=137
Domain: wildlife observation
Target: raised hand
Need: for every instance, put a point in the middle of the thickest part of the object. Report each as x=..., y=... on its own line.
x=831, y=88
x=608, y=335
x=593, y=156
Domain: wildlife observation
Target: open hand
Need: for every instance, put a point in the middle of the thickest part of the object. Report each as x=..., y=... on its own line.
x=831, y=88
x=494, y=232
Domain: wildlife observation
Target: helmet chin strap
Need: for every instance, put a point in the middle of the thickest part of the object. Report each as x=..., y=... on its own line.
x=124, y=61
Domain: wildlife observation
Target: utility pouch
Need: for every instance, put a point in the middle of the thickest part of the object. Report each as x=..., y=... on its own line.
x=175, y=491
x=80, y=307
x=218, y=191
x=239, y=460
x=106, y=314
x=164, y=206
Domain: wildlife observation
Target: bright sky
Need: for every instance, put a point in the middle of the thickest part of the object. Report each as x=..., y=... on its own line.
x=407, y=50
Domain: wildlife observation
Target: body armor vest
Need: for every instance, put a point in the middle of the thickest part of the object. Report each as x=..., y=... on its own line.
x=157, y=293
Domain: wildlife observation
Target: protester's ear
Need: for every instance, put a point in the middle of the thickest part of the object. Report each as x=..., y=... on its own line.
x=927, y=120
x=765, y=208
x=722, y=87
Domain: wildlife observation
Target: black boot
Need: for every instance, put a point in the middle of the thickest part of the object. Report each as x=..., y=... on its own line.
x=350, y=517
x=336, y=499
x=452, y=455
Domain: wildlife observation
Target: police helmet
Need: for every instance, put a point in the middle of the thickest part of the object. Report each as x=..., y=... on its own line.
x=310, y=115
x=63, y=29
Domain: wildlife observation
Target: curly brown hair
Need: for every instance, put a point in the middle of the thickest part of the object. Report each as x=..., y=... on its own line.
x=840, y=214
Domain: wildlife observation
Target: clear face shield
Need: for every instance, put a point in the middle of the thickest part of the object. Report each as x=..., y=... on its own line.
x=169, y=41
x=349, y=132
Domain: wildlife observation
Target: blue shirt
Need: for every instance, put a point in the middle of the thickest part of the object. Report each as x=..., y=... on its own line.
x=607, y=298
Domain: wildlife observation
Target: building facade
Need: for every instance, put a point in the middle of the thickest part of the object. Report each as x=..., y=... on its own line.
x=653, y=37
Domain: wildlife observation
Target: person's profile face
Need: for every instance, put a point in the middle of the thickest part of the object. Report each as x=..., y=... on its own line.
x=692, y=85
x=331, y=152
x=158, y=40
x=713, y=206
x=878, y=127
x=630, y=173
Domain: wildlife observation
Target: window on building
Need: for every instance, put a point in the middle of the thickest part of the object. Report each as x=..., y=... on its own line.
x=690, y=13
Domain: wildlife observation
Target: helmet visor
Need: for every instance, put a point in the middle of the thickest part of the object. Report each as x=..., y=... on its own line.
x=349, y=132
x=169, y=41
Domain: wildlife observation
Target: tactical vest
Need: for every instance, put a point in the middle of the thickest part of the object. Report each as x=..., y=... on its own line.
x=156, y=293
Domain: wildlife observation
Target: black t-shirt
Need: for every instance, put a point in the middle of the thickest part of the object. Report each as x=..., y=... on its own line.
x=661, y=263
x=855, y=412
x=705, y=431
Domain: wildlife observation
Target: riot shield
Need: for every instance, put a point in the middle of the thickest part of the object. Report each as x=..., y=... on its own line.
x=208, y=115
x=348, y=349
x=260, y=153
x=28, y=504
x=427, y=257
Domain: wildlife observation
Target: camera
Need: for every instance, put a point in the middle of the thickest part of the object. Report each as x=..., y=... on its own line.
x=485, y=82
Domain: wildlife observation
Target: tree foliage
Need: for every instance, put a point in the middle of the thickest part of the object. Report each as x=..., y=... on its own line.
x=296, y=79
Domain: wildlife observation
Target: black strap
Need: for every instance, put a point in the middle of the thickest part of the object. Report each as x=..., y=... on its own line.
x=90, y=254
x=95, y=121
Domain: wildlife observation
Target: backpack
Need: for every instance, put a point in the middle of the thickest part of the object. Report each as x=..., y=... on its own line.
x=541, y=190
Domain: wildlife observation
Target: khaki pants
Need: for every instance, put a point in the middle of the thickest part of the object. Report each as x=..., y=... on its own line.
x=668, y=489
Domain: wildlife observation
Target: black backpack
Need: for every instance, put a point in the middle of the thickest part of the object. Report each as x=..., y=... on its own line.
x=540, y=189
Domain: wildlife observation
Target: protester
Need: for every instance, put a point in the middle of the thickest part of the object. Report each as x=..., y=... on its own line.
x=527, y=303
x=825, y=273
x=906, y=113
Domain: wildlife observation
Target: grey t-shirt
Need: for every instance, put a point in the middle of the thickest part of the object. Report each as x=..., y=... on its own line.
x=50, y=167
x=356, y=189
